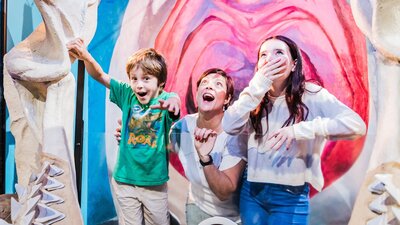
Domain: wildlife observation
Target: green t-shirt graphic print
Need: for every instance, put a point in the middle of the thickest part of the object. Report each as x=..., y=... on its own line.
x=142, y=158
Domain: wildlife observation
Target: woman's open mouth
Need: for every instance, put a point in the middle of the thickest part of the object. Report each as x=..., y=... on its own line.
x=207, y=97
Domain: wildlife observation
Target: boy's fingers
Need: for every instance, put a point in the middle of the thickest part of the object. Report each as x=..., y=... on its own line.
x=155, y=106
x=158, y=106
x=176, y=110
x=80, y=40
x=171, y=108
x=73, y=54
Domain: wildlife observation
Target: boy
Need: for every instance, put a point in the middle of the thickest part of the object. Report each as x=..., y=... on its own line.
x=141, y=171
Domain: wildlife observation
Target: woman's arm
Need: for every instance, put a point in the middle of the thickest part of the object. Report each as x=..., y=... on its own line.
x=336, y=120
x=237, y=115
x=224, y=183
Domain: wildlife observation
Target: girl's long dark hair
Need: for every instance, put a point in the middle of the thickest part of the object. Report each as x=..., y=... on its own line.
x=294, y=91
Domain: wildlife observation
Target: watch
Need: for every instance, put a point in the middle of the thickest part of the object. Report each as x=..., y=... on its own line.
x=209, y=162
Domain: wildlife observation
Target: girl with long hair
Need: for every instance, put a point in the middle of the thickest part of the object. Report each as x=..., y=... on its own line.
x=289, y=121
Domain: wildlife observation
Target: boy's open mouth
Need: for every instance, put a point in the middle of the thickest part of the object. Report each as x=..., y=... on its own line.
x=142, y=94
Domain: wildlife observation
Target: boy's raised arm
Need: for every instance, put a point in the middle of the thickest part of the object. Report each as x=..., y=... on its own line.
x=77, y=49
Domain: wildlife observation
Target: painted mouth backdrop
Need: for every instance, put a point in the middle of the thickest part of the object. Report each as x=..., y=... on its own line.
x=196, y=35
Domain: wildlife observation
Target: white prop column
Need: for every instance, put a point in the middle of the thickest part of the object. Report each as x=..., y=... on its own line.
x=40, y=93
x=377, y=200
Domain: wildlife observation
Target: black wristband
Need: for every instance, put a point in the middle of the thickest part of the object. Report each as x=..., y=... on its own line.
x=210, y=162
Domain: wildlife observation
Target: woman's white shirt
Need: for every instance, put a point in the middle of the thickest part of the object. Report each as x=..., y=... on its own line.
x=227, y=152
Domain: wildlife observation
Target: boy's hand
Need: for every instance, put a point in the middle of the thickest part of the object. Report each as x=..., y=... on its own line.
x=204, y=142
x=77, y=49
x=172, y=104
x=117, y=133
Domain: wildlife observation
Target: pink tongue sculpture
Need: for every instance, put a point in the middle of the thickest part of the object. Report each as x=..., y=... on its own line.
x=198, y=35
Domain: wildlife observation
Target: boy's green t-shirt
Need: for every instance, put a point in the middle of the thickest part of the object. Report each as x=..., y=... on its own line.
x=142, y=157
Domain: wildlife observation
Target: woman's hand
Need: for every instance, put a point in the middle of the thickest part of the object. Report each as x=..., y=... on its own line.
x=204, y=140
x=277, y=138
x=274, y=68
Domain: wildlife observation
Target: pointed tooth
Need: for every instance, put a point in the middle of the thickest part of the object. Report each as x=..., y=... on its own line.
x=48, y=215
x=378, y=205
x=45, y=166
x=376, y=187
x=40, y=177
x=29, y=218
x=34, y=190
x=15, y=209
x=53, y=184
x=49, y=198
x=379, y=220
x=32, y=203
x=396, y=212
x=55, y=171
x=21, y=191
x=32, y=178
x=386, y=179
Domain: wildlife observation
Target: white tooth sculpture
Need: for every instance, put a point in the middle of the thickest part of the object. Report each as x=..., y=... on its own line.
x=34, y=200
x=49, y=198
x=377, y=187
x=378, y=205
x=379, y=220
x=52, y=184
x=390, y=187
x=39, y=90
x=47, y=215
x=396, y=213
